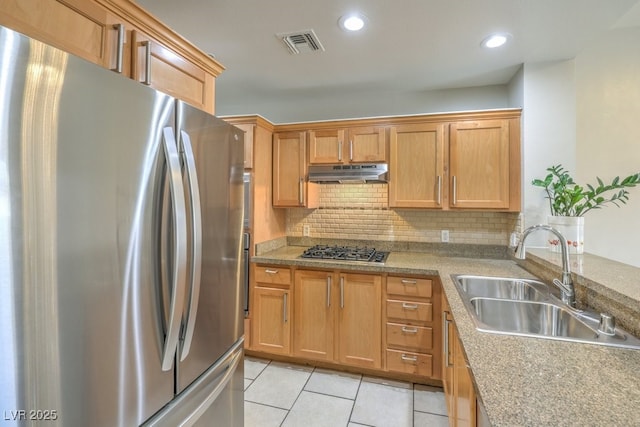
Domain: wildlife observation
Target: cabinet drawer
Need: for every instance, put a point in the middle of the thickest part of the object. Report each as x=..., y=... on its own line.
x=410, y=363
x=273, y=275
x=414, y=338
x=409, y=311
x=409, y=286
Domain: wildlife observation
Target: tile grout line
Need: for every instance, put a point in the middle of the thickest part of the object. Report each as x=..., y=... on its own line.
x=298, y=396
x=355, y=398
x=359, y=388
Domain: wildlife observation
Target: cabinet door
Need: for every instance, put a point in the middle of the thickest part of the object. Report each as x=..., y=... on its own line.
x=416, y=166
x=360, y=320
x=75, y=26
x=479, y=157
x=326, y=146
x=367, y=144
x=248, y=143
x=161, y=68
x=449, y=337
x=313, y=315
x=464, y=392
x=288, y=169
x=270, y=323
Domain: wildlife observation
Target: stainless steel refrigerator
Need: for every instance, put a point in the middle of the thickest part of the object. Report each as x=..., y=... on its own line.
x=120, y=249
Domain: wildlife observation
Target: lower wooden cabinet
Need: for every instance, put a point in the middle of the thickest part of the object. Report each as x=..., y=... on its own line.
x=271, y=310
x=365, y=321
x=412, y=331
x=456, y=376
x=337, y=317
x=359, y=320
x=313, y=314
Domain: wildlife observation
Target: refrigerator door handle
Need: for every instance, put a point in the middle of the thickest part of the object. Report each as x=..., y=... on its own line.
x=178, y=278
x=195, y=263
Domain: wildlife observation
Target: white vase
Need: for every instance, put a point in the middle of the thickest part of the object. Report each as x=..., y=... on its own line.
x=572, y=228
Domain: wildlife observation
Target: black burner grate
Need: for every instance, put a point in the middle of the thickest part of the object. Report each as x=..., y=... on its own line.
x=345, y=253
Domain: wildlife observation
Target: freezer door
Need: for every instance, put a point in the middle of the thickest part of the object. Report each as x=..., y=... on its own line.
x=216, y=398
x=81, y=162
x=218, y=151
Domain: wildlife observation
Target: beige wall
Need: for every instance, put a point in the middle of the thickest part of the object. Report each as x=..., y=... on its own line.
x=583, y=113
x=608, y=138
x=360, y=211
x=548, y=133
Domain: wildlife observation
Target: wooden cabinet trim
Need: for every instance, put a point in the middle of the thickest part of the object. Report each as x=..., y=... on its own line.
x=442, y=118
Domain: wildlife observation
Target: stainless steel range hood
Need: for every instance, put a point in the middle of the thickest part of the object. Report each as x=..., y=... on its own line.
x=373, y=172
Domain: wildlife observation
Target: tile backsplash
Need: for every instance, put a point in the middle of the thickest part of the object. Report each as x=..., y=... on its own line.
x=361, y=212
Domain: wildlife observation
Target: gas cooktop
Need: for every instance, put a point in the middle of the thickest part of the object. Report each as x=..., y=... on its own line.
x=345, y=253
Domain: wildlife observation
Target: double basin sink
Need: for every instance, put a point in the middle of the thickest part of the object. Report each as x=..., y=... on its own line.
x=525, y=307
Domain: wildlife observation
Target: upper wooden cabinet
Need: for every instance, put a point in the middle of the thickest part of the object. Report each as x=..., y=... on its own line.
x=416, y=166
x=123, y=37
x=472, y=164
x=365, y=144
x=82, y=28
x=290, y=187
x=480, y=164
x=248, y=130
x=163, y=69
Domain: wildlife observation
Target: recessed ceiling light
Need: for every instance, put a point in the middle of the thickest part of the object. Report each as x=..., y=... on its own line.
x=495, y=40
x=352, y=22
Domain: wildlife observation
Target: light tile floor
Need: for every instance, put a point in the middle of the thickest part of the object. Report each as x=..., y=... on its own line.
x=286, y=395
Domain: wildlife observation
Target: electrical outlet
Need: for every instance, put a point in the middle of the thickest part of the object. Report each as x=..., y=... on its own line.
x=306, y=230
x=444, y=236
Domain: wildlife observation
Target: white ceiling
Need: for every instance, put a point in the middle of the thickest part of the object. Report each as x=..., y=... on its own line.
x=409, y=46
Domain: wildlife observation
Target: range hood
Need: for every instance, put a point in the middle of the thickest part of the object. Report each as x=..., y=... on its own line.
x=344, y=174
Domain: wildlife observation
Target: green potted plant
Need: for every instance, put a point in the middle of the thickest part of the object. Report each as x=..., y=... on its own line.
x=569, y=202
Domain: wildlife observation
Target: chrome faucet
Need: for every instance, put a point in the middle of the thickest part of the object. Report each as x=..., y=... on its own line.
x=566, y=285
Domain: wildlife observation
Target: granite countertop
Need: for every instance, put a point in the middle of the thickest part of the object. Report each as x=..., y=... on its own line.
x=521, y=381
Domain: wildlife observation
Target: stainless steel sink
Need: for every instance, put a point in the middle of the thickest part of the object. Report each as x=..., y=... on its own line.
x=525, y=307
x=530, y=318
x=500, y=287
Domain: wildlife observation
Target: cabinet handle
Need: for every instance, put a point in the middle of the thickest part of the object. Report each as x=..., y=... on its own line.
x=119, y=48
x=455, y=190
x=300, y=191
x=328, y=291
x=284, y=308
x=409, y=282
x=406, y=358
x=407, y=330
x=339, y=151
x=445, y=338
x=342, y=292
x=439, y=190
x=268, y=271
x=147, y=65
x=409, y=306
x=351, y=150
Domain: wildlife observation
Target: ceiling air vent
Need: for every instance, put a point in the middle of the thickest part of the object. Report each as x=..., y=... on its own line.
x=301, y=41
